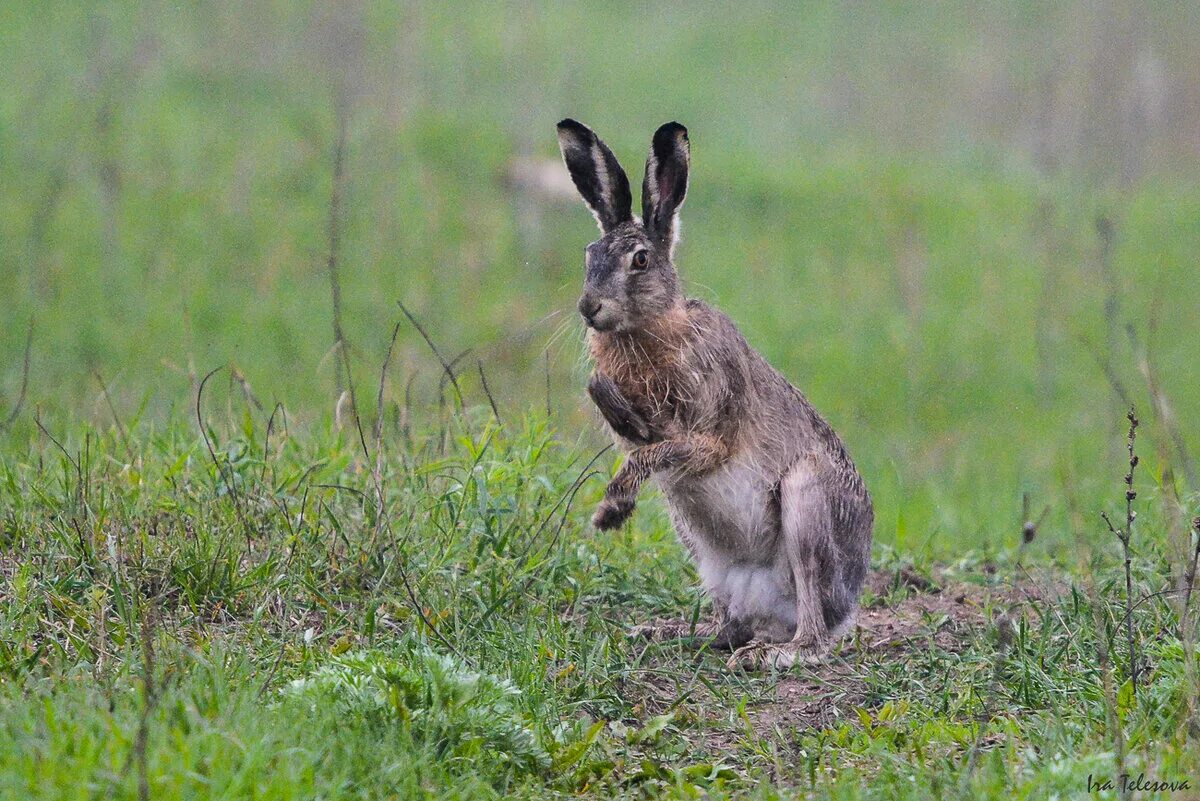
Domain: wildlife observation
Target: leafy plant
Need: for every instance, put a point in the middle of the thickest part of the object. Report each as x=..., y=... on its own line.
x=456, y=711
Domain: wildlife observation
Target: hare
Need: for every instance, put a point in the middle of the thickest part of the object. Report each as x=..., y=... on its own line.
x=759, y=487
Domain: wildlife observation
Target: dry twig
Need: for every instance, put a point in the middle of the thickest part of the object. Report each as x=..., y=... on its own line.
x=16, y=409
x=1125, y=535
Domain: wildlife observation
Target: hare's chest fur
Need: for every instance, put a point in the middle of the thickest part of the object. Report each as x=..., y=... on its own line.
x=653, y=368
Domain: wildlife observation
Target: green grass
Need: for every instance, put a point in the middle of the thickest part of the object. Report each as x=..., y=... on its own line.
x=164, y=200
x=283, y=640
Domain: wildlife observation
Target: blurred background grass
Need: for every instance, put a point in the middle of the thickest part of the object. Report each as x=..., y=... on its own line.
x=903, y=209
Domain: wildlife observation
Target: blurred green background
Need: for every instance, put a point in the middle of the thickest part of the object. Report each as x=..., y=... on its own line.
x=939, y=221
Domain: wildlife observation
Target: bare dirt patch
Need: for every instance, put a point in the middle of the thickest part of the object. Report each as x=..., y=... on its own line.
x=903, y=612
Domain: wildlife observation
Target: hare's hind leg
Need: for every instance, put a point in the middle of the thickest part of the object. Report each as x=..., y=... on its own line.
x=807, y=544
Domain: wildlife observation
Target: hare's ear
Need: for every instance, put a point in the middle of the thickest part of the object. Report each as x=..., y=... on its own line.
x=666, y=183
x=596, y=173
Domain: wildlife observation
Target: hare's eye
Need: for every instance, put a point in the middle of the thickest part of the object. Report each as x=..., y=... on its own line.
x=640, y=259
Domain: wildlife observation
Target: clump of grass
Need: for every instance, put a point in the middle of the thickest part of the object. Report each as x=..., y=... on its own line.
x=463, y=714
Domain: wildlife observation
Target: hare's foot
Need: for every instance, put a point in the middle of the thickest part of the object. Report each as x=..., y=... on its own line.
x=614, y=510
x=723, y=636
x=757, y=654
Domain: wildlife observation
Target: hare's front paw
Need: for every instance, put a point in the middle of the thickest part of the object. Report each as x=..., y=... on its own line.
x=612, y=512
x=617, y=410
x=635, y=428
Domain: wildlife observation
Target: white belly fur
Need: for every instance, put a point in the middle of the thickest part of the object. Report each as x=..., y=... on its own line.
x=730, y=521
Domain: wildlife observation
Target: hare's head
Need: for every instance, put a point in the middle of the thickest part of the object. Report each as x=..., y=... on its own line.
x=630, y=276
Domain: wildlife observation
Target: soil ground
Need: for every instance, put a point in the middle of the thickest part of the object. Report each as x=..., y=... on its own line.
x=903, y=612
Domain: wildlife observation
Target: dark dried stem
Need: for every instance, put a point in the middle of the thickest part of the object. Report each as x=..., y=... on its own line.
x=226, y=475
x=37, y=420
x=406, y=423
x=1189, y=581
x=453, y=367
x=16, y=409
x=335, y=229
x=446, y=368
x=1106, y=230
x=267, y=439
x=488, y=392
x=247, y=391
x=1125, y=536
x=1110, y=374
x=377, y=432
x=112, y=409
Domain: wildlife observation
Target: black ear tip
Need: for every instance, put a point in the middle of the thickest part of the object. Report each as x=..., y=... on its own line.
x=669, y=139
x=573, y=126
x=671, y=129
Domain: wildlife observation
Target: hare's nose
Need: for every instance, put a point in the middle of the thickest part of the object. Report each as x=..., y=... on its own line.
x=588, y=307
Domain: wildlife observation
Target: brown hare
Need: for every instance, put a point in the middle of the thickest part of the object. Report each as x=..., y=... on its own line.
x=759, y=487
